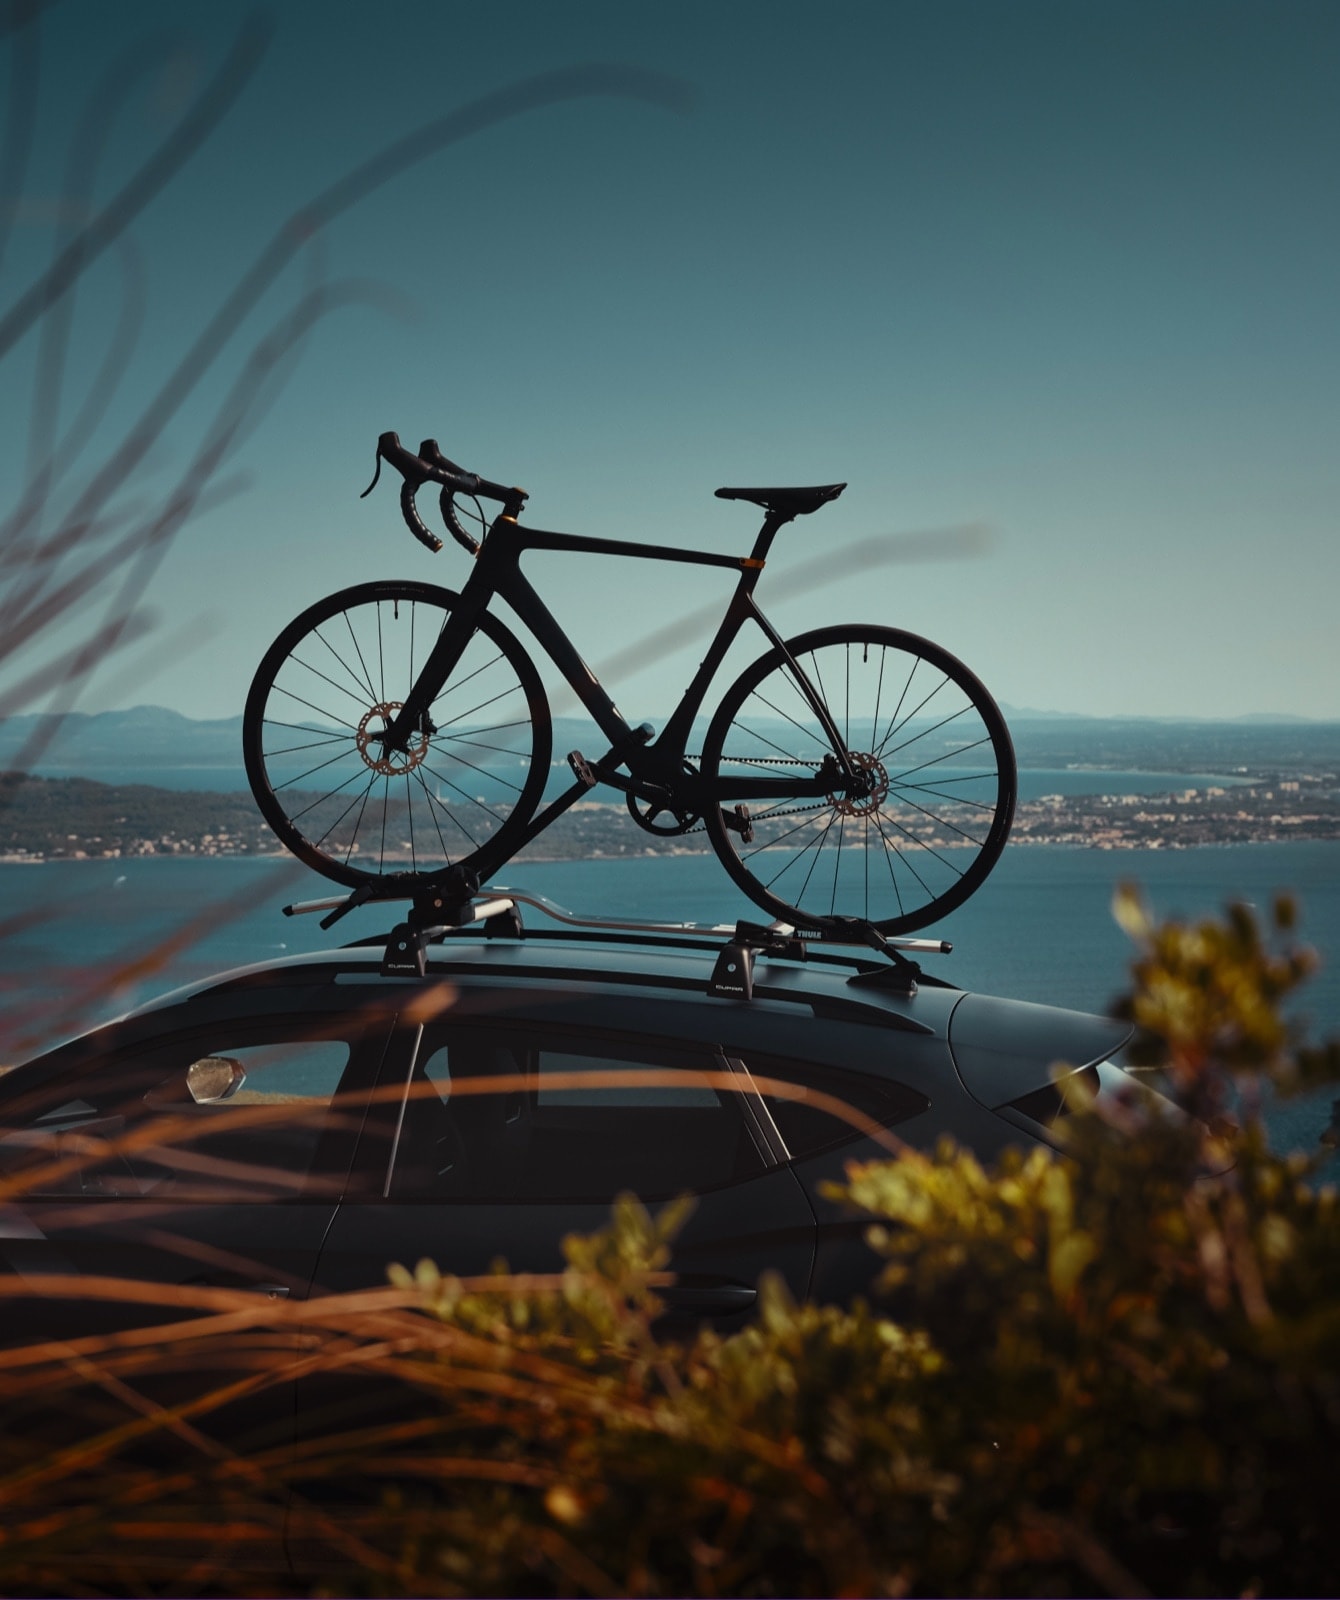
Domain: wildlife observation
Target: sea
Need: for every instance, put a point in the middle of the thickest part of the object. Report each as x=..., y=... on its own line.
x=1040, y=929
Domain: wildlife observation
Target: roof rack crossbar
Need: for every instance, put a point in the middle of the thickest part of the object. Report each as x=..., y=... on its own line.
x=457, y=901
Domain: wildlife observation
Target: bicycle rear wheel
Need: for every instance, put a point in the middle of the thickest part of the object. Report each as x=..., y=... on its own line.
x=333, y=793
x=931, y=812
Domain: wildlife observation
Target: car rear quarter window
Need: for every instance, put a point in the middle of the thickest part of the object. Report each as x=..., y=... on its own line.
x=816, y=1123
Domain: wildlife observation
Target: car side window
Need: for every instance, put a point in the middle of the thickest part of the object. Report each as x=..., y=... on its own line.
x=817, y=1122
x=233, y=1113
x=503, y=1115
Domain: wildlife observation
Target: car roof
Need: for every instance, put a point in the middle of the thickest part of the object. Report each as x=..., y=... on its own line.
x=1004, y=1046
x=683, y=965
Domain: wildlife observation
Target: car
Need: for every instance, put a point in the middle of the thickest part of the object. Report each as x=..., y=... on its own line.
x=295, y=1126
x=466, y=1095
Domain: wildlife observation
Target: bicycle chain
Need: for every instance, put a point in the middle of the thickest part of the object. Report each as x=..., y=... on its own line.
x=763, y=761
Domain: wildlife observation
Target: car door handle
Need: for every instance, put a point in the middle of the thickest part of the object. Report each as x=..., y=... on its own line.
x=714, y=1299
x=275, y=1291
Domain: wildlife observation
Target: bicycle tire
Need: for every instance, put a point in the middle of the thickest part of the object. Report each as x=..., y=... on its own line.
x=938, y=760
x=335, y=797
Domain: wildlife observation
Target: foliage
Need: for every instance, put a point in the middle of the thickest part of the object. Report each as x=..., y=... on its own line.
x=1112, y=1369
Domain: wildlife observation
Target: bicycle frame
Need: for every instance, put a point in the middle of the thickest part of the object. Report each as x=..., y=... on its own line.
x=656, y=767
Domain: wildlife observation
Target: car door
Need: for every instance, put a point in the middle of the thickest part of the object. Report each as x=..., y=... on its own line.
x=504, y=1138
x=208, y=1155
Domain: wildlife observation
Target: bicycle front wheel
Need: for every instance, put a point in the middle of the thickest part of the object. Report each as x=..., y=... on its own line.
x=333, y=792
x=928, y=815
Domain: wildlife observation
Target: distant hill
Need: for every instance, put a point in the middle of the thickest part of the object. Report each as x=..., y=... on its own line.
x=145, y=740
x=149, y=744
x=1149, y=745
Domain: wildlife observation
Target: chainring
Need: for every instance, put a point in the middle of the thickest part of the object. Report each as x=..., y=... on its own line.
x=647, y=812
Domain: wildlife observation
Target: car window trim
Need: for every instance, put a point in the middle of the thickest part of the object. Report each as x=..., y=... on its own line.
x=763, y=1129
x=411, y=1067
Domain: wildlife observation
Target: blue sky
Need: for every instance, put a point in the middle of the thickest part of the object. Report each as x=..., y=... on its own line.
x=1065, y=270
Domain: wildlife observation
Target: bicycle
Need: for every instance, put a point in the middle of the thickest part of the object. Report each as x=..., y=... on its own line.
x=397, y=732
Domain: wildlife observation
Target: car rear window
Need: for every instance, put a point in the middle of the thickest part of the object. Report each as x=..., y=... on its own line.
x=810, y=1127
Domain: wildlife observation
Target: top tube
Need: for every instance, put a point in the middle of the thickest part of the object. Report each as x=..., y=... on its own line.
x=542, y=539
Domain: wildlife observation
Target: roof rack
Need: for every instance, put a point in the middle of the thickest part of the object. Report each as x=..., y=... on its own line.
x=436, y=911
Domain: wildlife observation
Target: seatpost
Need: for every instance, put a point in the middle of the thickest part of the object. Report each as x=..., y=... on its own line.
x=767, y=533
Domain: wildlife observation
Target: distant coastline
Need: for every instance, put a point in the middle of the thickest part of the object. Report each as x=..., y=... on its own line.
x=73, y=819
x=136, y=784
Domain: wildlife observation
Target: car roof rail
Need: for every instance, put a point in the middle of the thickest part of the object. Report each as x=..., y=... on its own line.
x=457, y=903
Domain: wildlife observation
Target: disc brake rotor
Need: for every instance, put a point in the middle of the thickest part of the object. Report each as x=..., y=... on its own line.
x=875, y=786
x=372, y=740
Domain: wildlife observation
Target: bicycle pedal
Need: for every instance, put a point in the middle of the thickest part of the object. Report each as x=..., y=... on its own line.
x=737, y=820
x=581, y=769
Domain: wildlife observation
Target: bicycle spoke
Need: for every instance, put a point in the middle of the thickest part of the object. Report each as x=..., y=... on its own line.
x=364, y=687
x=817, y=845
x=921, y=844
x=432, y=816
x=772, y=844
x=320, y=711
x=450, y=753
x=501, y=695
x=353, y=639
x=953, y=799
x=893, y=851
x=944, y=822
x=454, y=685
x=881, y=748
x=358, y=820
x=343, y=814
x=320, y=767
x=893, y=720
x=293, y=749
x=381, y=657
x=808, y=732
x=478, y=744
x=298, y=727
x=474, y=800
x=837, y=866
x=329, y=795
x=890, y=855
x=934, y=728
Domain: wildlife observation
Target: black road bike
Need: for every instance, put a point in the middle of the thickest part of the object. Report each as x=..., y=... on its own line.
x=397, y=731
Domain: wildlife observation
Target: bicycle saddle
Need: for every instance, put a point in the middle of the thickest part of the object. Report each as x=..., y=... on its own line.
x=790, y=502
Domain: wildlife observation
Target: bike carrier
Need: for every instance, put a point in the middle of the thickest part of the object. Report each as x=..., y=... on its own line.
x=459, y=902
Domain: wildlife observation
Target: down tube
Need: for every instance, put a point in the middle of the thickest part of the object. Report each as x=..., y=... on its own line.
x=522, y=598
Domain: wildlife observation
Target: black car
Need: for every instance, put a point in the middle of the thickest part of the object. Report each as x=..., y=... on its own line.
x=294, y=1127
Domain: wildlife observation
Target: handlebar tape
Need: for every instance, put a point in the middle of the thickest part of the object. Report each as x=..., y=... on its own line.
x=421, y=531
